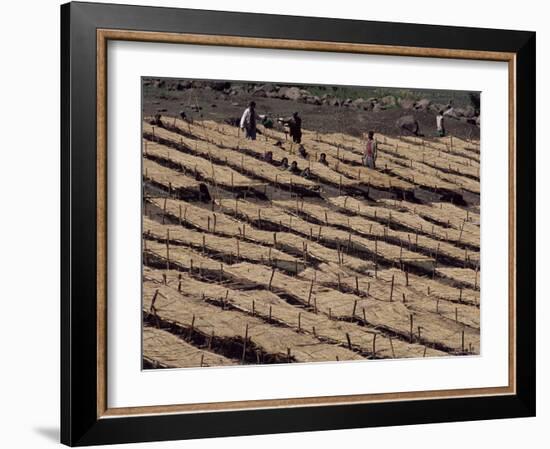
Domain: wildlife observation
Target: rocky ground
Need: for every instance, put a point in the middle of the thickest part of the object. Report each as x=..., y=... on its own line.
x=322, y=108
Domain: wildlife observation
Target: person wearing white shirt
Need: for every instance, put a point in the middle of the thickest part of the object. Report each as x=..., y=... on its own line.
x=249, y=120
x=439, y=121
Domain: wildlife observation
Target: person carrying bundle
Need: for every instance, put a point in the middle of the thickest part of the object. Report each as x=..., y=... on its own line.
x=371, y=151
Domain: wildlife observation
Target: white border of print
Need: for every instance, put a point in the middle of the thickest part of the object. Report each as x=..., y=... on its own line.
x=129, y=386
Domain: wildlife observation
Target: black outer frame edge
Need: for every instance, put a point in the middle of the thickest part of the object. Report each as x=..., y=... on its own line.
x=65, y=252
x=526, y=222
x=79, y=424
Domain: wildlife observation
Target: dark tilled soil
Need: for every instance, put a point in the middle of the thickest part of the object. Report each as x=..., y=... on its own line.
x=218, y=106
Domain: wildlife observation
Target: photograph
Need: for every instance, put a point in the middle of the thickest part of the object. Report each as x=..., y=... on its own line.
x=294, y=223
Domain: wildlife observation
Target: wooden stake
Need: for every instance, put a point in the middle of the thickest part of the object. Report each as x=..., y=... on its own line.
x=392, y=350
x=210, y=340
x=192, y=328
x=349, y=340
x=271, y=278
x=244, y=343
x=391, y=290
x=152, y=308
x=167, y=249
x=411, y=327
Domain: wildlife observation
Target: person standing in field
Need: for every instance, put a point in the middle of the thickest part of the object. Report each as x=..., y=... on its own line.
x=294, y=124
x=440, y=122
x=371, y=151
x=249, y=120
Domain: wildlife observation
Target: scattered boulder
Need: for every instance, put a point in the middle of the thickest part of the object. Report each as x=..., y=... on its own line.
x=406, y=103
x=469, y=111
x=183, y=85
x=313, y=99
x=408, y=124
x=290, y=93
x=422, y=105
x=219, y=85
x=270, y=88
x=388, y=100
x=368, y=105
x=259, y=93
x=459, y=112
x=358, y=103
x=378, y=107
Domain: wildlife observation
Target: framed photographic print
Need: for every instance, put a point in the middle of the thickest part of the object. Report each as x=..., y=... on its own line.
x=279, y=224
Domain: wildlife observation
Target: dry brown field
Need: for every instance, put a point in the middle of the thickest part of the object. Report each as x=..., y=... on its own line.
x=245, y=262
